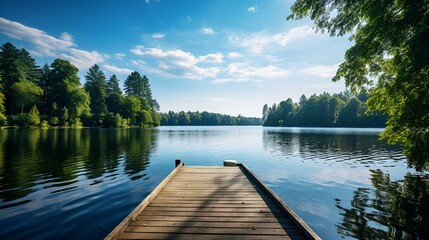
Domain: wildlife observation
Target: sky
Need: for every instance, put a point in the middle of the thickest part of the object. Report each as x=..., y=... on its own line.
x=222, y=56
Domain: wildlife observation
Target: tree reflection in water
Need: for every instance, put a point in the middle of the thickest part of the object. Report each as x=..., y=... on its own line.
x=392, y=210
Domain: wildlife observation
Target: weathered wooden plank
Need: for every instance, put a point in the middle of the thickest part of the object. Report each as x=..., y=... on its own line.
x=247, y=225
x=210, y=192
x=214, y=203
x=261, y=219
x=209, y=209
x=175, y=236
x=239, y=231
x=210, y=214
x=211, y=205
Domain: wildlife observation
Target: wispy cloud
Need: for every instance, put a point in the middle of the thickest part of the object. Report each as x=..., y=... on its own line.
x=47, y=45
x=253, y=9
x=211, y=58
x=234, y=55
x=245, y=72
x=158, y=35
x=257, y=42
x=208, y=31
x=117, y=70
x=322, y=71
x=119, y=56
x=178, y=63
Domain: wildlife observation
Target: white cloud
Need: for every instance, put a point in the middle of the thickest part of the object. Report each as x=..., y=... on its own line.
x=178, y=63
x=44, y=43
x=158, y=35
x=82, y=59
x=253, y=9
x=117, y=70
x=119, y=56
x=245, y=71
x=257, y=42
x=322, y=71
x=47, y=45
x=234, y=55
x=211, y=58
x=207, y=31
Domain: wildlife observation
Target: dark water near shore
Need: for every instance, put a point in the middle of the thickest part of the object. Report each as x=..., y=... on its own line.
x=78, y=184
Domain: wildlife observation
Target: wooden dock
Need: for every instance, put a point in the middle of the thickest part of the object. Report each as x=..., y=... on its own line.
x=212, y=203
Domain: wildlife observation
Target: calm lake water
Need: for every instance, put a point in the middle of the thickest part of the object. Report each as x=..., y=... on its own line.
x=79, y=184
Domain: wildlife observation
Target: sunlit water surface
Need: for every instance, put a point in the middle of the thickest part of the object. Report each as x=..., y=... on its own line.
x=79, y=184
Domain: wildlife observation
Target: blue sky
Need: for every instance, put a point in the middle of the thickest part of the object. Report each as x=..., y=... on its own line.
x=220, y=56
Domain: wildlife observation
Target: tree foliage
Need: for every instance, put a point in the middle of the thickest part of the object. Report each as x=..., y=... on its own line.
x=390, y=45
x=205, y=119
x=26, y=93
x=16, y=66
x=113, y=85
x=2, y=104
x=134, y=85
x=96, y=86
x=324, y=110
x=56, y=89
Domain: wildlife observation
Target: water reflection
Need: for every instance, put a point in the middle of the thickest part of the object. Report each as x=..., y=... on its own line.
x=331, y=145
x=31, y=160
x=391, y=210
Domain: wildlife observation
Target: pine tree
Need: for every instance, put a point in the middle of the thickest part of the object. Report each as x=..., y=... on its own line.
x=29, y=67
x=148, y=94
x=134, y=85
x=96, y=87
x=10, y=69
x=113, y=85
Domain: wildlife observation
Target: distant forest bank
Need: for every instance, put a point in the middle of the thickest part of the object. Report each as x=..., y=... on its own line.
x=324, y=110
x=206, y=119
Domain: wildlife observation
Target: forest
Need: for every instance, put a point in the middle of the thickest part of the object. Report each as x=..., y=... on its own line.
x=52, y=95
x=206, y=119
x=324, y=110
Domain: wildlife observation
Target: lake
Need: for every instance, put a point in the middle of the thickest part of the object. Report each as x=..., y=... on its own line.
x=80, y=183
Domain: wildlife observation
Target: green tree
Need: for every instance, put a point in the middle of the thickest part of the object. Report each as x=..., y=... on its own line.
x=390, y=44
x=134, y=85
x=2, y=103
x=349, y=115
x=114, y=102
x=113, y=85
x=26, y=93
x=30, y=69
x=96, y=87
x=43, y=83
x=66, y=90
x=12, y=71
x=33, y=116
x=131, y=108
x=147, y=93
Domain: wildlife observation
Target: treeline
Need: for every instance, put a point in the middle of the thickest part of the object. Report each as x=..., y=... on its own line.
x=206, y=119
x=324, y=110
x=52, y=95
